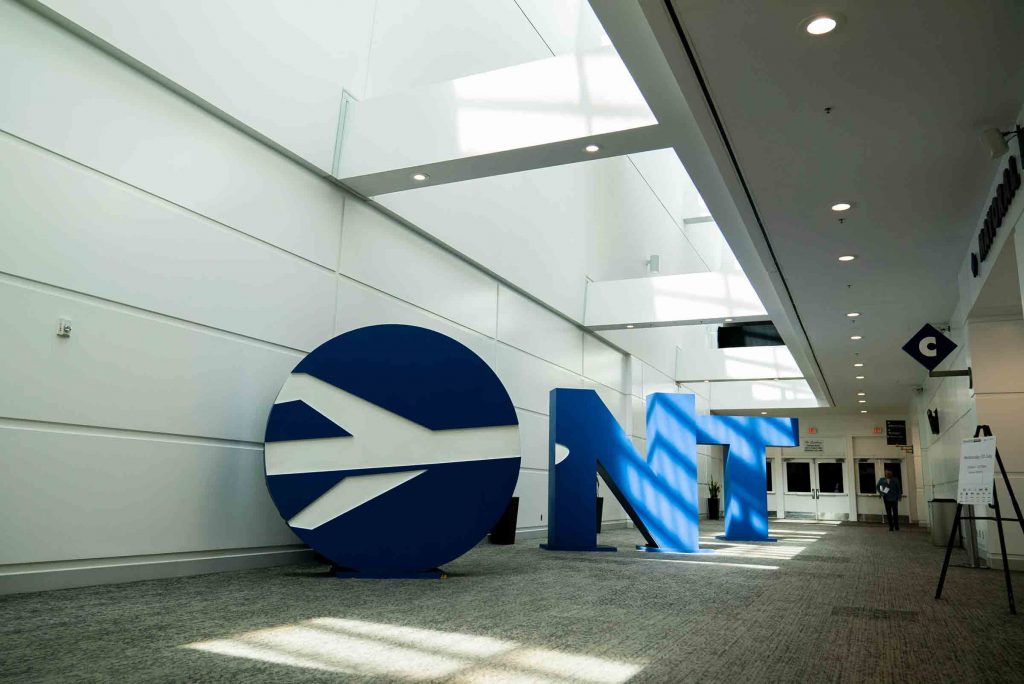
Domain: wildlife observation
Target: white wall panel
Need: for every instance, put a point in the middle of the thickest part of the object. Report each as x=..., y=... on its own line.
x=639, y=410
x=628, y=223
x=636, y=376
x=530, y=380
x=532, y=328
x=654, y=346
x=533, y=436
x=378, y=251
x=69, y=97
x=78, y=495
x=656, y=381
x=276, y=65
x=526, y=227
x=413, y=41
x=359, y=306
x=137, y=372
x=79, y=230
x=566, y=26
x=761, y=394
x=532, y=490
x=996, y=347
x=663, y=171
x=604, y=364
x=617, y=402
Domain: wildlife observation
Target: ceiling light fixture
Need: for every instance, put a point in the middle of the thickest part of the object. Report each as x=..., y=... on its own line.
x=860, y=394
x=630, y=325
x=728, y=320
x=847, y=257
x=842, y=206
x=420, y=177
x=862, y=401
x=856, y=337
x=592, y=148
x=821, y=24
x=863, y=411
x=859, y=377
x=764, y=413
x=858, y=365
x=852, y=314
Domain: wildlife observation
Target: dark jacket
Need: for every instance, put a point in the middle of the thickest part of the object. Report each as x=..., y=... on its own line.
x=894, y=486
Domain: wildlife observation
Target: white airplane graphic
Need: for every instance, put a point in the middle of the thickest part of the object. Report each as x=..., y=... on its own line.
x=380, y=439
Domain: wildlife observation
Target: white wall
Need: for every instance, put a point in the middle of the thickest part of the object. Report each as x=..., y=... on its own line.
x=197, y=266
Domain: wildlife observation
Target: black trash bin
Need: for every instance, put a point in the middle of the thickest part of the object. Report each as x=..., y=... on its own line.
x=504, y=531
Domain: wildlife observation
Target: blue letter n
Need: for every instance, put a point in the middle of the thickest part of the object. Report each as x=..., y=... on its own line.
x=659, y=492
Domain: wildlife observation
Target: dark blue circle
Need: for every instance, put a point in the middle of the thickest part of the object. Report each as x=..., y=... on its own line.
x=429, y=379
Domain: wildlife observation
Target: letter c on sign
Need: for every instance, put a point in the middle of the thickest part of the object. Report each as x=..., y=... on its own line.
x=927, y=347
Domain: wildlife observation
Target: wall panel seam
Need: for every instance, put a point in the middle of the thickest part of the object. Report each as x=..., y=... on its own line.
x=59, y=427
x=140, y=312
x=171, y=203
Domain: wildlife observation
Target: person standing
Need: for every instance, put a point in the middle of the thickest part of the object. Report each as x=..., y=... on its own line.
x=891, y=490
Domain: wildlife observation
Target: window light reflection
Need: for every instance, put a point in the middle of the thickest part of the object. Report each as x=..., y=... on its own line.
x=412, y=653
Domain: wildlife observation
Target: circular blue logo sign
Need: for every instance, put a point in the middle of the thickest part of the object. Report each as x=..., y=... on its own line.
x=392, y=449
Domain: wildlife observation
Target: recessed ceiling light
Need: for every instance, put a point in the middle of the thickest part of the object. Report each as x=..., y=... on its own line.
x=856, y=337
x=819, y=26
x=862, y=401
x=592, y=148
x=630, y=325
x=863, y=411
x=860, y=394
x=853, y=314
x=859, y=377
x=420, y=177
x=764, y=413
x=842, y=206
x=728, y=320
x=858, y=365
x=847, y=257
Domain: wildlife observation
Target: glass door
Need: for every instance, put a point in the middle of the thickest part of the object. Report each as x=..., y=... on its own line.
x=798, y=488
x=833, y=499
x=869, y=503
x=816, y=488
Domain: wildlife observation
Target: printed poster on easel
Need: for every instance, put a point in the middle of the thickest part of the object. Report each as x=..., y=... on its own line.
x=977, y=469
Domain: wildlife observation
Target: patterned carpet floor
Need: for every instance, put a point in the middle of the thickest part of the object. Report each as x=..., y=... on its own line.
x=827, y=603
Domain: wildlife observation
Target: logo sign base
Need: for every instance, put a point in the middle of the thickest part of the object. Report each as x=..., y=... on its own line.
x=348, y=573
x=552, y=547
x=674, y=552
x=751, y=540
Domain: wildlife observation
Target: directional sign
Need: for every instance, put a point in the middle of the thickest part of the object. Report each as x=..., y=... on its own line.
x=929, y=347
x=896, y=432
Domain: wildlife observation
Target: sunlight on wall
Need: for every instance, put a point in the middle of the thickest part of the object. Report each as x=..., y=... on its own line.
x=561, y=98
x=412, y=653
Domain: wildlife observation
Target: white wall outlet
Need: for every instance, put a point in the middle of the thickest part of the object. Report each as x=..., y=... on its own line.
x=64, y=327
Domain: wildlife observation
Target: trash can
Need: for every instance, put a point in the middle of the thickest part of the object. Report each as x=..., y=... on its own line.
x=942, y=513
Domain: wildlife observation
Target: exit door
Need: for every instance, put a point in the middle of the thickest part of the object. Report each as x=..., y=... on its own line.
x=816, y=489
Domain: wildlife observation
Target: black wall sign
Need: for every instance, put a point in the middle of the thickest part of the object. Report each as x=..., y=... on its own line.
x=929, y=347
x=896, y=432
x=997, y=209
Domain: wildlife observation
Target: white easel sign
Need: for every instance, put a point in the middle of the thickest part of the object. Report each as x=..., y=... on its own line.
x=977, y=468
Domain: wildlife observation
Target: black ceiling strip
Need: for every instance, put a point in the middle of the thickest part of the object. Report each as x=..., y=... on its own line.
x=743, y=181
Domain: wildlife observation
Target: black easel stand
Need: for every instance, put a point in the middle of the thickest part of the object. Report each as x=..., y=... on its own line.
x=986, y=431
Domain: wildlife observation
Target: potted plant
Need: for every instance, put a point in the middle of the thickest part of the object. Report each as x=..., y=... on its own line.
x=713, y=489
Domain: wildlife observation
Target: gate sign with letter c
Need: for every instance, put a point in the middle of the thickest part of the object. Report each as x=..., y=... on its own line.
x=929, y=347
